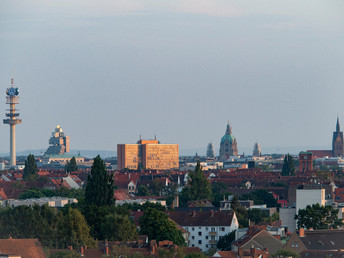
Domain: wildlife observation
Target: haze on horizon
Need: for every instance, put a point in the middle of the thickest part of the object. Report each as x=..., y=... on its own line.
x=110, y=71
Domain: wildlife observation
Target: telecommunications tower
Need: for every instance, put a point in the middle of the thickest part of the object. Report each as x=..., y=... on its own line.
x=12, y=99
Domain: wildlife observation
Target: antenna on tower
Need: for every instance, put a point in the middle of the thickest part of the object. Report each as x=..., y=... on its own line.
x=12, y=82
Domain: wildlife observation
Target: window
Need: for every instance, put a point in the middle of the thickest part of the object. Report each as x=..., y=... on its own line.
x=213, y=238
x=193, y=229
x=199, y=227
x=193, y=245
x=223, y=229
x=212, y=230
x=206, y=228
x=199, y=242
x=206, y=237
x=186, y=228
x=199, y=233
x=193, y=237
x=206, y=246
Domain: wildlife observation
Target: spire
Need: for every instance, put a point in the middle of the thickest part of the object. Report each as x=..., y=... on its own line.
x=338, y=126
x=229, y=129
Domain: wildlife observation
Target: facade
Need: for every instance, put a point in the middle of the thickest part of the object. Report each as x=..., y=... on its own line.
x=148, y=154
x=305, y=161
x=210, y=151
x=59, y=143
x=205, y=227
x=337, y=142
x=228, y=145
x=257, y=150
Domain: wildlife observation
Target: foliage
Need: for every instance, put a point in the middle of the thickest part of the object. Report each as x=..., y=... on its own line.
x=65, y=254
x=195, y=255
x=29, y=222
x=157, y=226
x=95, y=216
x=117, y=227
x=156, y=187
x=225, y=242
x=261, y=196
x=99, y=189
x=256, y=215
x=72, y=230
x=318, y=217
x=30, y=169
x=288, y=168
x=71, y=165
x=198, y=186
x=286, y=253
x=142, y=191
x=219, y=189
x=143, y=207
x=31, y=194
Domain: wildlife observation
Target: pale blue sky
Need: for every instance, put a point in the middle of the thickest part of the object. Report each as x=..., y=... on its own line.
x=108, y=71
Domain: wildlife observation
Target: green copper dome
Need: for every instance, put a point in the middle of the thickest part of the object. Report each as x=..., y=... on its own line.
x=228, y=135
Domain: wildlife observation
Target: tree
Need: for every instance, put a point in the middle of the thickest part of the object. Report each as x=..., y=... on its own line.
x=65, y=254
x=72, y=230
x=118, y=228
x=261, y=196
x=318, y=217
x=219, y=190
x=142, y=191
x=99, y=189
x=30, y=169
x=157, y=226
x=225, y=242
x=198, y=186
x=71, y=165
x=31, y=194
x=288, y=168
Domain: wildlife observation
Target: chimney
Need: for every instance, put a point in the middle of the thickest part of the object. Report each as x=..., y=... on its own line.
x=70, y=247
x=211, y=213
x=240, y=252
x=193, y=213
x=82, y=251
x=302, y=232
x=253, y=251
x=106, y=250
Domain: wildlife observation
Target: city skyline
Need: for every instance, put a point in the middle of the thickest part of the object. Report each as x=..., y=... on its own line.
x=116, y=70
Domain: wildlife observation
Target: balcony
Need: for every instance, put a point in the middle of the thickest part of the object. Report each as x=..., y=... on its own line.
x=212, y=233
x=212, y=242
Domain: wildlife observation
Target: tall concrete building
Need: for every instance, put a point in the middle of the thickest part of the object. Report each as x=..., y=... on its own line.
x=337, y=142
x=149, y=154
x=59, y=143
x=12, y=99
x=257, y=150
x=210, y=151
x=228, y=145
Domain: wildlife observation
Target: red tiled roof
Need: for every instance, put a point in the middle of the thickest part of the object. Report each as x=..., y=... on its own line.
x=26, y=248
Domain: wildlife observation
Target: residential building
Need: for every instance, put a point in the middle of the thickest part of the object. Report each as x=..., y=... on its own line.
x=205, y=227
x=148, y=154
x=257, y=237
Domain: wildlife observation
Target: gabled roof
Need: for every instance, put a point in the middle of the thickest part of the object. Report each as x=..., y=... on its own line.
x=26, y=248
x=202, y=218
x=324, y=239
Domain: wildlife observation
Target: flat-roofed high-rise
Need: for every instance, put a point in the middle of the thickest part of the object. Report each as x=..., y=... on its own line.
x=149, y=154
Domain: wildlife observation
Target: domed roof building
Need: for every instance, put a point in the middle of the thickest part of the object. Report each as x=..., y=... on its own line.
x=228, y=145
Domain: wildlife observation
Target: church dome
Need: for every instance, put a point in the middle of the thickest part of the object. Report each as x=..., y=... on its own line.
x=227, y=137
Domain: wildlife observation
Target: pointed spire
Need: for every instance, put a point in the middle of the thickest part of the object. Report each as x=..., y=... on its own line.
x=229, y=129
x=338, y=126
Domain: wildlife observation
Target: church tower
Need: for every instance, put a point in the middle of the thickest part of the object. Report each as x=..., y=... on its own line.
x=228, y=145
x=337, y=142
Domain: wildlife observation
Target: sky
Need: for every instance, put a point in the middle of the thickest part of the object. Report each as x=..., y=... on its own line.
x=109, y=71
